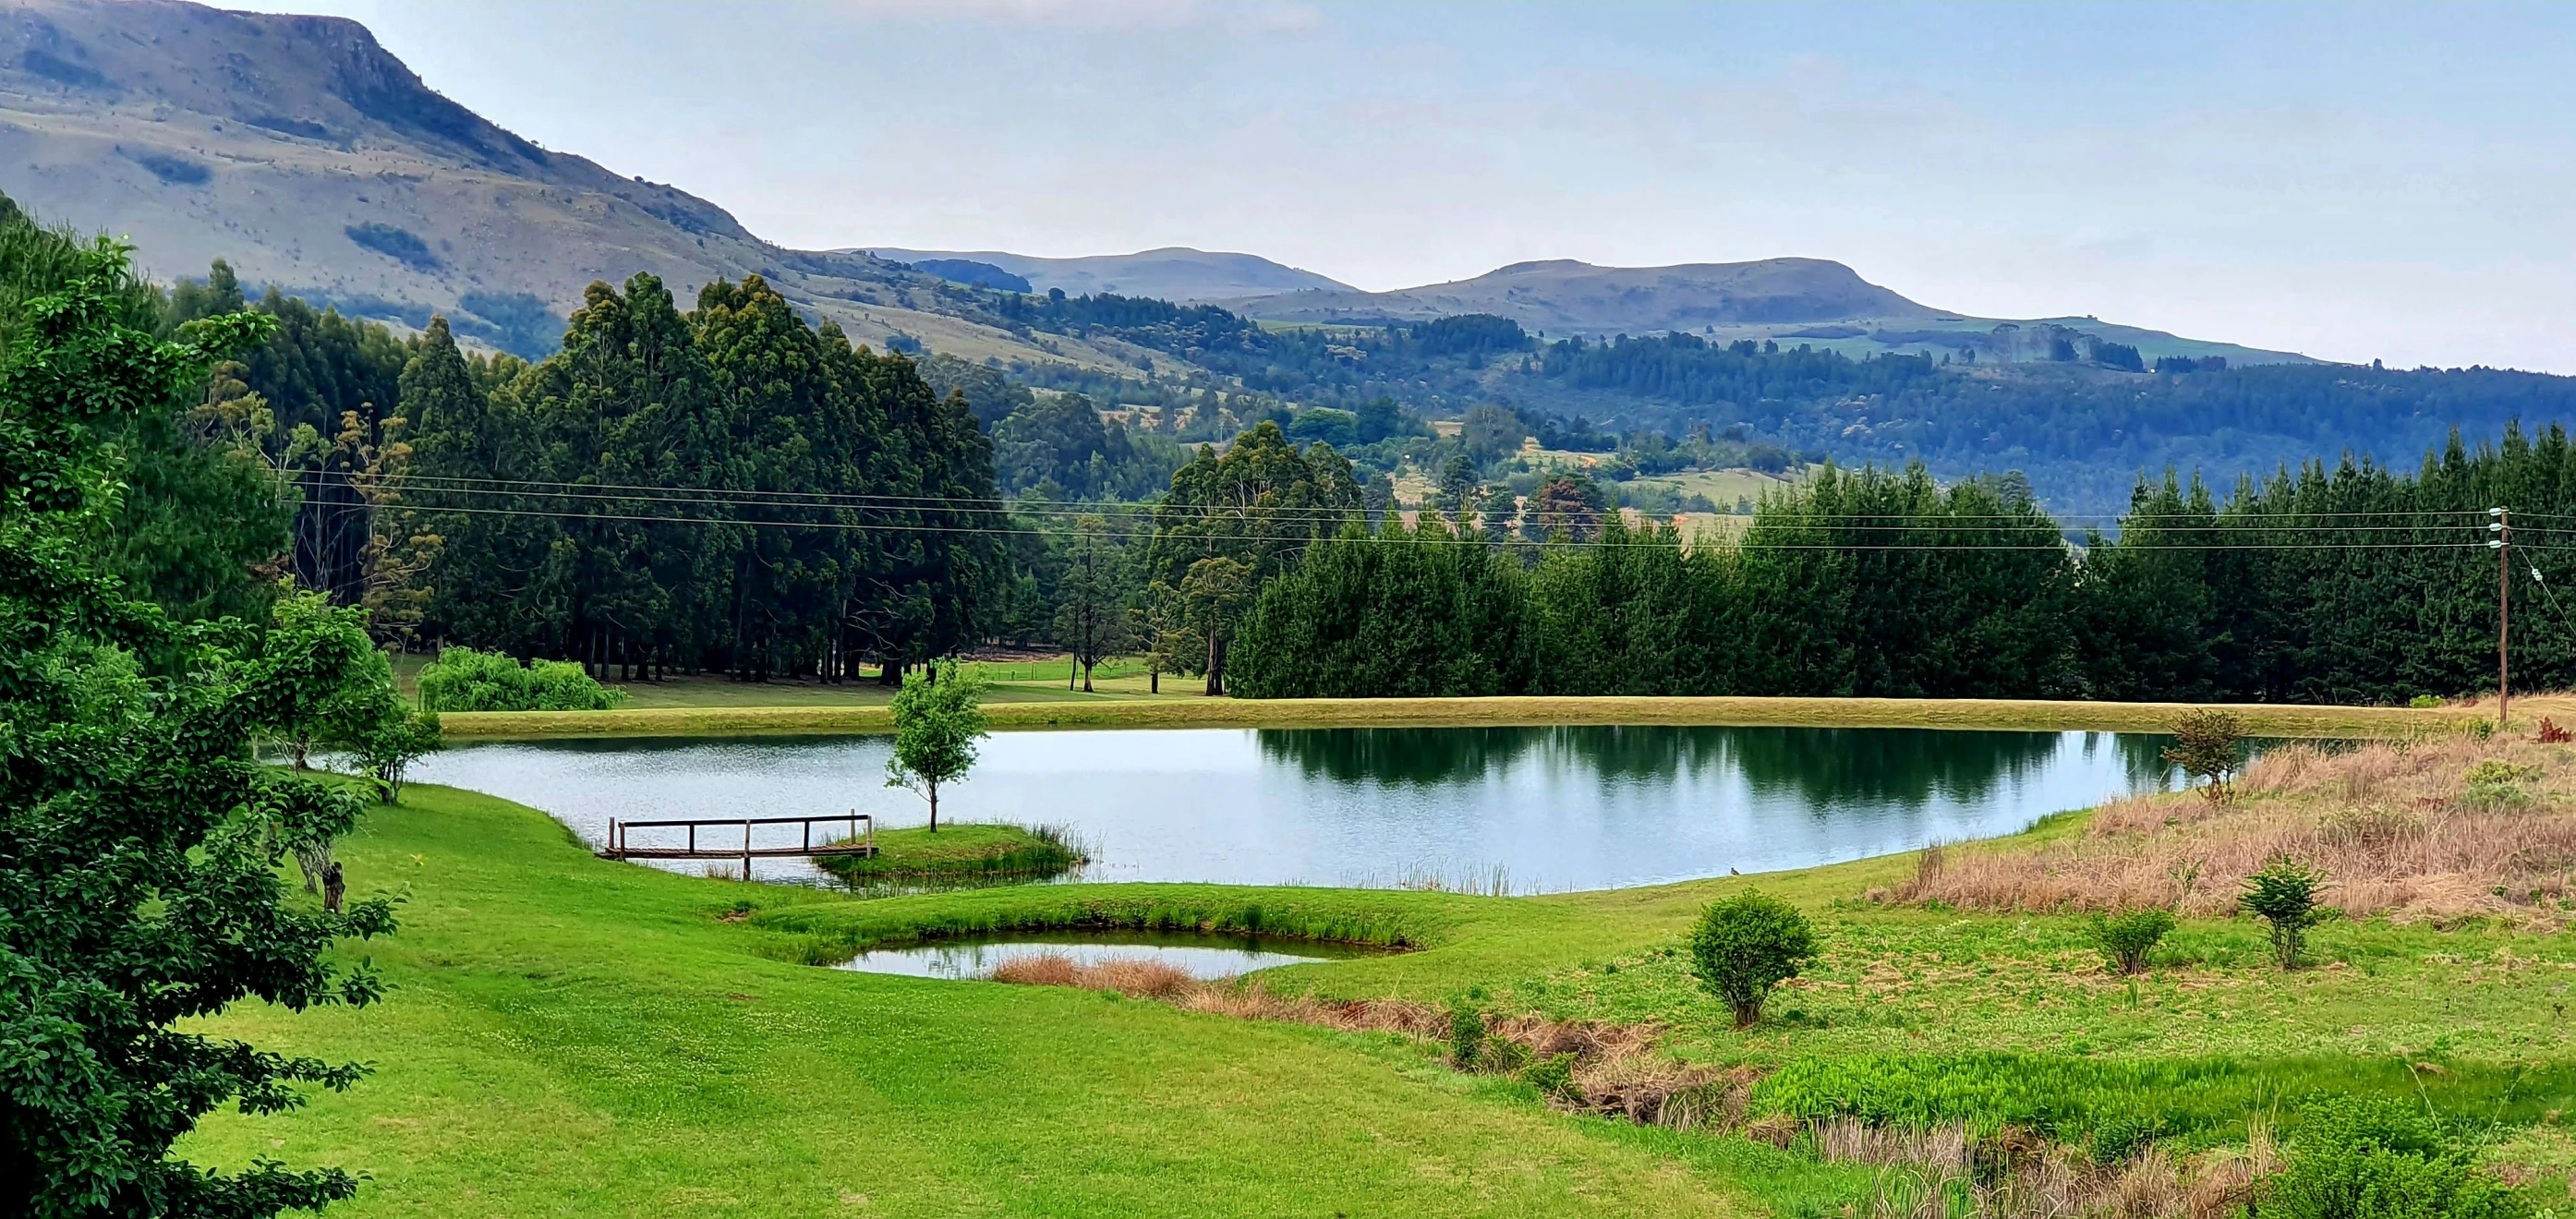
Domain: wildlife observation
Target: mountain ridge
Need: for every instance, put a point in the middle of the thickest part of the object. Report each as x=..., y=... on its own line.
x=1174, y=273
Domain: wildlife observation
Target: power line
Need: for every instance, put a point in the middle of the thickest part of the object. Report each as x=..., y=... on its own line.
x=1442, y=539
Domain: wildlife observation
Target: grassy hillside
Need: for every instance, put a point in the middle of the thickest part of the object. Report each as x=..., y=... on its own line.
x=570, y=1036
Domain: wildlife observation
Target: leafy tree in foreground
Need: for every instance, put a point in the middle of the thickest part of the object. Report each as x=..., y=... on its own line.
x=139, y=840
x=938, y=717
x=1745, y=945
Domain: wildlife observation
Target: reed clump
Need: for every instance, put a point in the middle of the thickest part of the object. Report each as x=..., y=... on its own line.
x=1132, y=976
x=2433, y=829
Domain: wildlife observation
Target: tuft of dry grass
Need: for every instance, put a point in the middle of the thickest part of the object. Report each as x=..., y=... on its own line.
x=1131, y=976
x=2403, y=829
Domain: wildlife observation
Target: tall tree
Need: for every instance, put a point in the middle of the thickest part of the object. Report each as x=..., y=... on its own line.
x=139, y=838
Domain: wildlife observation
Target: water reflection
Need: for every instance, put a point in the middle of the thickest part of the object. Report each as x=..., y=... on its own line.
x=1827, y=766
x=1203, y=957
x=1546, y=808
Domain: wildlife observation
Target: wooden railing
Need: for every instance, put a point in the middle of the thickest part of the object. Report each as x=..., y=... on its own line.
x=855, y=842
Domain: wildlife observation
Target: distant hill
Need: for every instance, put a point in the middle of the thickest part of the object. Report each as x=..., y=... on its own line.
x=1794, y=300
x=312, y=159
x=1174, y=273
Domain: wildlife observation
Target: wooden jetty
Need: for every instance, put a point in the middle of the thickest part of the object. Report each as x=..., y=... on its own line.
x=858, y=841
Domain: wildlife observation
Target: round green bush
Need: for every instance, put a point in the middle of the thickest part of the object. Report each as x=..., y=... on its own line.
x=1745, y=945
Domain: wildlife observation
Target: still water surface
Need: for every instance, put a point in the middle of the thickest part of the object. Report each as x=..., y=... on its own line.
x=1202, y=957
x=1544, y=809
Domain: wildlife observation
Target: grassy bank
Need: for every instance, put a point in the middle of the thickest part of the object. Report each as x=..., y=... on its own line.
x=567, y=1035
x=2284, y=720
x=958, y=852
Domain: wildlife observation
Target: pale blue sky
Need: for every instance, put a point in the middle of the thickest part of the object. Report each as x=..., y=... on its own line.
x=2353, y=181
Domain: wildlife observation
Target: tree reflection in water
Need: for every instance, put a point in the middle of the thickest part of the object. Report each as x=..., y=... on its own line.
x=1825, y=767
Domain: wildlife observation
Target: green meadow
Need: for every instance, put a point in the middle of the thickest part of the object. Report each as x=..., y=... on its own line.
x=572, y=1036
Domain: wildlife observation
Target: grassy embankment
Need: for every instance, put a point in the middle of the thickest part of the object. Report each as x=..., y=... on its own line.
x=966, y=850
x=570, y=1035
x=2280, y=720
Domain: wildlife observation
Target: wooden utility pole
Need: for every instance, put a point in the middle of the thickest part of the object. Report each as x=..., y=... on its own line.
x=2501, y=543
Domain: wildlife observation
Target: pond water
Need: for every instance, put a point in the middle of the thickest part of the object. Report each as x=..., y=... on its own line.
x=1202, y=957
x=1517, y=809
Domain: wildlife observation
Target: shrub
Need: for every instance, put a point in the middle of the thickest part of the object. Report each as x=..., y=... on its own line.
x=2552, y=734
x=2126, y=939
x=1466, y=1036
x=2425, y=701
x=1747, y=944
x=2284, y=894
x=1553, y=1076
x=2496, y=784
x=462, y=679
x=2382, y=1159
x=2206, y=747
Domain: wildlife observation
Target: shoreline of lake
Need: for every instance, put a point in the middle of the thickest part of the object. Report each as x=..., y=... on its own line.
x=2045, y=715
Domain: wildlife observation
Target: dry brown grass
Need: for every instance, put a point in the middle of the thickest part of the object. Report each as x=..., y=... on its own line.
x=2398, y=827
x=1925, y=1174
x=1142, y=979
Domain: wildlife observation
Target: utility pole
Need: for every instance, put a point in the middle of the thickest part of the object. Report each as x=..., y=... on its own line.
x=2502, y=527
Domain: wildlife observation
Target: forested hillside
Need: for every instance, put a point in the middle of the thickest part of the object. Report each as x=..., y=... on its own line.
x=729, y=487
x=2345, y=584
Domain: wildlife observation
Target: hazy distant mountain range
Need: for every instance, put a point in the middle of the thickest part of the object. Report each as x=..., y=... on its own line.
x=1174, y=273
x=315, y=161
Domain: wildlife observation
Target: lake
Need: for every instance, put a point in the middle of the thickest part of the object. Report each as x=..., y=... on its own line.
x=1520, y=809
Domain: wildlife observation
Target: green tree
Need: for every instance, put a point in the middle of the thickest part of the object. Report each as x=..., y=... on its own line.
x=2283, y=893
x=1092, y=618
x=139, y=839
x=1214, y=595
x=2208, y=746
x=1744, y=945
x=1258, y=505
x=938, y=718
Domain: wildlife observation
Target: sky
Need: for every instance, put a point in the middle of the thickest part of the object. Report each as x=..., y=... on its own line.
x=2355, y=181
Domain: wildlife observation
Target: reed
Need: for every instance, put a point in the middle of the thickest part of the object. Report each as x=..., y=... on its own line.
x=2434, y=829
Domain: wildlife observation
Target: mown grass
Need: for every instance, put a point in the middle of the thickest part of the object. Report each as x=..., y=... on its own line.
x=2279, y=720
x=574, y=1036
x=568, y=1036
x=964, y=850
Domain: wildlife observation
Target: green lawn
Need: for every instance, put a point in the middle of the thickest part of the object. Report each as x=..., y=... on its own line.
x=957, y=850
x=572, y=1036
x=1122, y=678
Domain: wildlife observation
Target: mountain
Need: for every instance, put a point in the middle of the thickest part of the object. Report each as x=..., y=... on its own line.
x=1173, y=273
x=314, y=160
x=1811, y=300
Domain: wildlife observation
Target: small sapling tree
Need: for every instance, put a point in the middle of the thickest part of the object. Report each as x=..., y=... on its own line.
x=389, y=747
x=1745, y=945
x=2125, y=939
x=2284, y=894
x=2207, y=748
x=938, y=717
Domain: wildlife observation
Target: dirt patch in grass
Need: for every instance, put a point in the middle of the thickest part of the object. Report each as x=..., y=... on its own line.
x=2433, y=829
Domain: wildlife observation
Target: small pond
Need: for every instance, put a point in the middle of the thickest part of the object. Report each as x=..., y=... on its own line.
x=1522, y=810
x=1205, y=957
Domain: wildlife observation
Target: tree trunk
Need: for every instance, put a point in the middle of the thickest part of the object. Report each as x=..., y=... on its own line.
x=934, y=806
x=1086, y=677
x=1154, y=681
x=1211, y=689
